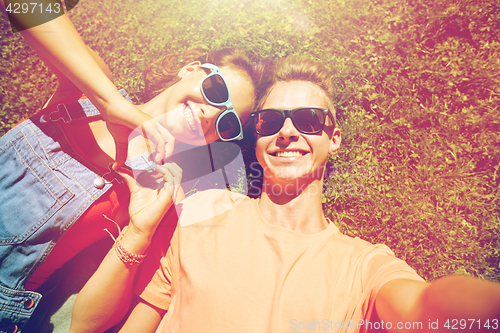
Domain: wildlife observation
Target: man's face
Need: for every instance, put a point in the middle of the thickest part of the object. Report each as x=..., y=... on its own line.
x=289, y=155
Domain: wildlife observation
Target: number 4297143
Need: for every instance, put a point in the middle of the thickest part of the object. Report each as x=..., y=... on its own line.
x=32, y=8
x=467, y=324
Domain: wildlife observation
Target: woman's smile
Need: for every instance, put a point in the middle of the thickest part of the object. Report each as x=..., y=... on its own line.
x=190, y=119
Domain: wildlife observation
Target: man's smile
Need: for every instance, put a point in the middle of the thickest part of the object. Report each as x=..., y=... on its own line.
x=289, y=153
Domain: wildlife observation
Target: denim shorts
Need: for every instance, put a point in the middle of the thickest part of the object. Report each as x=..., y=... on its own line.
x=44, y=188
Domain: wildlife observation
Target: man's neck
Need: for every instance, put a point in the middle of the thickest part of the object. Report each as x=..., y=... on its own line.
x=295, y=206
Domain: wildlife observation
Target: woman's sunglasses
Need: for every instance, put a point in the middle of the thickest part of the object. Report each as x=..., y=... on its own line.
x=215, y=91
x=306, y=120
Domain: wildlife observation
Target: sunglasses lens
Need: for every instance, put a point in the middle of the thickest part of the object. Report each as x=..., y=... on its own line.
x=268, y=122
x=309, y=120
x=215, y=89
x=228, y=126
x=306, y=120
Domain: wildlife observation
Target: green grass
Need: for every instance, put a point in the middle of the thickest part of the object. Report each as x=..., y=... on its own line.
x=418, y=92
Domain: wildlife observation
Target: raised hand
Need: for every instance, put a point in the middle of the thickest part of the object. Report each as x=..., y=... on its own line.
x=148, y=206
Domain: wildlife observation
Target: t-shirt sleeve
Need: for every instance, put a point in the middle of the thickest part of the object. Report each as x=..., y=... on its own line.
x=158, y=290
x=383, y=266
x=379, y=266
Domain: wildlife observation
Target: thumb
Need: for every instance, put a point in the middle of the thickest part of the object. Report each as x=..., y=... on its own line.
x=121, y=154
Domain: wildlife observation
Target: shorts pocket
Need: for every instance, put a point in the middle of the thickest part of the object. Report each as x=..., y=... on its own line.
x=30, y=192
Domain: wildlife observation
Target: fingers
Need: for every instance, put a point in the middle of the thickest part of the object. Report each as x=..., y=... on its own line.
x=173, y=176
x=161, y=137
x=168, y=145
x=176, y=172
x=121, y=154
x=165, y=197
x=120, y=135
x=165, y=143
x=143, y=124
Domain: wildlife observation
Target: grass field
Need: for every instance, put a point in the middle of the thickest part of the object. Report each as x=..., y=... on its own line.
x=418, y=92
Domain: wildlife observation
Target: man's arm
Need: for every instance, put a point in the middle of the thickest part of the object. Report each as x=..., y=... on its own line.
x=449, y=298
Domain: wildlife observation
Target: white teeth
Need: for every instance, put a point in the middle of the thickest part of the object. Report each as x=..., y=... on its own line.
x=288, y=154
x=188, y=113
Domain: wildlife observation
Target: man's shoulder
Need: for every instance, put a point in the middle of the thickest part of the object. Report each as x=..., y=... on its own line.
x=360, y=247
x=375, y=260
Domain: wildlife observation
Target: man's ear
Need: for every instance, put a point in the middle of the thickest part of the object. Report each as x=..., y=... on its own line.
x=189, y=68
x=335, y=141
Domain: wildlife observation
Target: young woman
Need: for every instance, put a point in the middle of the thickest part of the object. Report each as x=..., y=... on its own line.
x=56, y=177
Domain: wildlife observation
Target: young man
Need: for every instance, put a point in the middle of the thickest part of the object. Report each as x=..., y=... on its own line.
x=275, y=264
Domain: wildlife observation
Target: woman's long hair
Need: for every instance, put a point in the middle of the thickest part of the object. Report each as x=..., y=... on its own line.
x=161, y=74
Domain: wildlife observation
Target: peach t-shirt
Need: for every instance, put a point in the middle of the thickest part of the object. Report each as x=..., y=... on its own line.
x=234, y=272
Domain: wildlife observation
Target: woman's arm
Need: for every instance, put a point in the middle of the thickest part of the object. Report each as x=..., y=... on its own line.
x=143, y=317
x=67, y=89
x=58, y=42
x=107, y=296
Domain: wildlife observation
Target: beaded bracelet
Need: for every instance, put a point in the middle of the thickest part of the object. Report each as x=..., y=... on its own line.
x=125, y=256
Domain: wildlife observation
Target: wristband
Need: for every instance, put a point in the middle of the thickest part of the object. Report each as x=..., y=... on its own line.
x=128, y=258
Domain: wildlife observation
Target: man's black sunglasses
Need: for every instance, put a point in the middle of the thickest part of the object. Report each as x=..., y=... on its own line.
x=306, y=120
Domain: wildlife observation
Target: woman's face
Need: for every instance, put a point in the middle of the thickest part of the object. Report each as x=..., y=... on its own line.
x=192, y=119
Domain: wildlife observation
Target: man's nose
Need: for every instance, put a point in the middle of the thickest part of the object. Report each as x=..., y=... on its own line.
x=288, y=130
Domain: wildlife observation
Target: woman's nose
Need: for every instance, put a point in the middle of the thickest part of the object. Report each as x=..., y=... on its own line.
x=210, y=112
